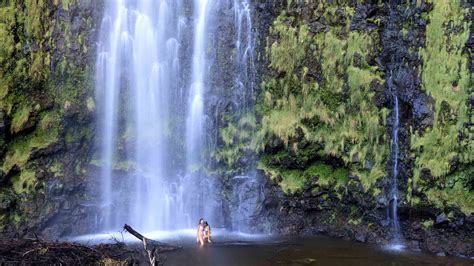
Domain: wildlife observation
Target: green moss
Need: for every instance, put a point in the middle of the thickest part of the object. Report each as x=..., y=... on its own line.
x=25, y=182
x=57, y=169
x=237, y=139
x=65, y=4
x=336, y=112
x=293, y=179
x=18, y=154
x=341, y=175
x=288, y=51
x=20, y=149
x=90, y=104
x=321, y=171
x=228, y=133
x=427, y=223
x=454, y=191
x=446, y=78
x=123, y=165
x=355, y=221
x=20, y=117
x=28, y=92
x=95, y=162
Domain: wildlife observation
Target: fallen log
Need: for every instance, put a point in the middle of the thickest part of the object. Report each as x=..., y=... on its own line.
x=151, y=247
x=132, y=231
x=162, y=247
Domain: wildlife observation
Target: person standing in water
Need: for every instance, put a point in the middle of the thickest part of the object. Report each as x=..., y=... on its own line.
x=200, y=232
x=207, y=232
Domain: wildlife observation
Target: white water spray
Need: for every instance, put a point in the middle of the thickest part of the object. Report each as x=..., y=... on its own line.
x=396, y=241
x=137, y=69
x=142, y=78
x=245, y=44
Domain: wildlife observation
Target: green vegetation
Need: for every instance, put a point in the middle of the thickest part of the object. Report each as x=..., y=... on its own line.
x=65, y=4
x=20, y=117
x=237, y=140
x=335, y=113
x=20, y=149
x=25, y=182
x=34, y=91
x=453, y=190
x=293, y=179
x=446, y=78
x=427, y=223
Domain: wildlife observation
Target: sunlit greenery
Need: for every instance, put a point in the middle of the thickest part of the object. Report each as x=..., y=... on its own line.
x=446, y=78
x=36, y=97
x=342, y=119
x=237, y=140
x=20, y=149
x=294, y=179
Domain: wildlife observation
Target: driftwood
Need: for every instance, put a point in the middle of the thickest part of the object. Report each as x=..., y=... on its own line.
x=151, y=247
x=37, y=251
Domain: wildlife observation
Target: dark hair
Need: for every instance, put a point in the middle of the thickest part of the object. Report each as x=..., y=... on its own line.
x=202, y=219
x=205, y=223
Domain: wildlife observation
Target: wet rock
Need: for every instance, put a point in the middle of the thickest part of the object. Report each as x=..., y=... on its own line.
x=382, y=200
x=442, y=220
x=274, y=145
x=246, y=202
x=385, y=222
x=414, y=244
x=454, y=163
x=368, y=164
x=317, y=26
x=423, y=110
x=360, y=237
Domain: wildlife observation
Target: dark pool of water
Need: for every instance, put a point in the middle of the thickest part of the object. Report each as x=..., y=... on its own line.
x=301, y=251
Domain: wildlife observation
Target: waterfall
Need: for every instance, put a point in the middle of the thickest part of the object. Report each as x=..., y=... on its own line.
x=195, y=117
x=153, y=88
x=244, y=45
x=197, y=187
x=107, y=94
x=247, y=190
x=137, y=71
x=396, y=242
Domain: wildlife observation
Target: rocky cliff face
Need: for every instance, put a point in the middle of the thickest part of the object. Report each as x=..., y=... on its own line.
x=47, y=113
x=324, y=118
x=316, y=132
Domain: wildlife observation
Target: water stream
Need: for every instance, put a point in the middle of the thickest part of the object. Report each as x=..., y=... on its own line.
x=152, y=90
x=137, y=73
x=396, y=241
x=244, y=60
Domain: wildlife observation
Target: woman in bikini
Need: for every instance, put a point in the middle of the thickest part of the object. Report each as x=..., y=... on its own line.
x=200, y=232
x=207, y=232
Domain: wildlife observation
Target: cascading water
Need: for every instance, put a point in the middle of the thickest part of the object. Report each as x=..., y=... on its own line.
x=244, y=44
x=396, y=241
x=151, y=56
x=197, y=188
x=247, y=190
x=137, y=61
x=195, y=117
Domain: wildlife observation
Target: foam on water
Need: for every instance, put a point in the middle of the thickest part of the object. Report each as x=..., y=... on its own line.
x=395, y=247
x=180, y=236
